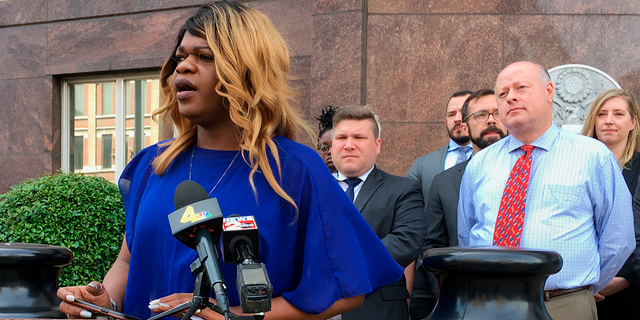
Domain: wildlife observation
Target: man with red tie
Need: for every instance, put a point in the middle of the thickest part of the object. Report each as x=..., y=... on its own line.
x=547, y=188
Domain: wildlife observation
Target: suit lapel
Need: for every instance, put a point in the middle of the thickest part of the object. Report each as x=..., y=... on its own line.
x=373, y=182
x=443, y=156
x=458, y=177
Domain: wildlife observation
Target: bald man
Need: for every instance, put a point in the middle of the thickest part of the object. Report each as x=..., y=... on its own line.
x=576, y=202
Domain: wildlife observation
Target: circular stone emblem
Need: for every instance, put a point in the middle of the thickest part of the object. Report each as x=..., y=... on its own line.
x=574, y=85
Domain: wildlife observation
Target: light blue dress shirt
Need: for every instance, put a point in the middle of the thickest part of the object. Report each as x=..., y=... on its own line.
x=453, y=152
x=577, y=204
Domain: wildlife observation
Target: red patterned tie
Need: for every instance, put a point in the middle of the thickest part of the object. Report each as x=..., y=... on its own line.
x=511, y=215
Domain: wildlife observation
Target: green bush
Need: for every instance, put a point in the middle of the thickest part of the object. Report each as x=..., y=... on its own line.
x=82, y=213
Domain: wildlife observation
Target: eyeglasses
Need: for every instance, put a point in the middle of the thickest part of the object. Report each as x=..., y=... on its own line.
x=324, y=148
x=482, y=116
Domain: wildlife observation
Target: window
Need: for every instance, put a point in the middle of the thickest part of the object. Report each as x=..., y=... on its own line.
x=78, y=142
x=108, y=96
x=77, y=99
x=107, y=151
x=106, y=121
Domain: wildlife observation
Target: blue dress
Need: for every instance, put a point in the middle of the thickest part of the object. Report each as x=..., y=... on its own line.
x=314, y=257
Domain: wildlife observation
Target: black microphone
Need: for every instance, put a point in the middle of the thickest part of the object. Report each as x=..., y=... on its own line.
x=197, y=222
x=241, y=240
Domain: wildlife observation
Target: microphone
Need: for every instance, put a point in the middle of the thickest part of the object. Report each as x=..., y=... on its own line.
x=197, y=223
x=241, y=240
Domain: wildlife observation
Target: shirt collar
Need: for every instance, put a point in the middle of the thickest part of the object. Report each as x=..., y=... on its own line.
x=454, y=146
x=545, y=141
x=341, y=177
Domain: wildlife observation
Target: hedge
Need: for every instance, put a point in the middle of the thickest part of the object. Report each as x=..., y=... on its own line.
x=80, y=212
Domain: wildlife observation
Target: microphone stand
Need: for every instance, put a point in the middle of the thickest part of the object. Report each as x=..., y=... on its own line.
x=200, y=300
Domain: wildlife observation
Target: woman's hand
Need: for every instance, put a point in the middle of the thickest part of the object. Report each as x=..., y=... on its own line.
x=166, y=303
x=94, y=293
x=176, y=299
x=281, y=309
x=169, y=302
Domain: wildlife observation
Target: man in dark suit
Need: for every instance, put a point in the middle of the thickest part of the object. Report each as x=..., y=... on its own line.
x=442, y=210
x=424, y=169
x=391, y=205
x=442, y=203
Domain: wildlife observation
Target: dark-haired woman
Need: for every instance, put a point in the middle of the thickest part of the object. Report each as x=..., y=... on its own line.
x=325, y=123
x=225, y=89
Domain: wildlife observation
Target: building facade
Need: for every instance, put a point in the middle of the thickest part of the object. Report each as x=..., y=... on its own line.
x=79, y=78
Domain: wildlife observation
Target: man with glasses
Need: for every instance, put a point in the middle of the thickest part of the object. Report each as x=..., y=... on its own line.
x=480, y=113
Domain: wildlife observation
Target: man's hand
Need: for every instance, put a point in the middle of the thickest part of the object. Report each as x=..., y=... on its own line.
x=615, y=285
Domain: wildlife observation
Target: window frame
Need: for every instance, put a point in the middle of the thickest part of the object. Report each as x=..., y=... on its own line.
x=120, y=114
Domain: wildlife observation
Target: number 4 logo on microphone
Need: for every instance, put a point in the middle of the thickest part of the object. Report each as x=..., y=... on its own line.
x=190, y=216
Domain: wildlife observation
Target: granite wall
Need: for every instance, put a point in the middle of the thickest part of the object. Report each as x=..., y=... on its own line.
x=404, y=58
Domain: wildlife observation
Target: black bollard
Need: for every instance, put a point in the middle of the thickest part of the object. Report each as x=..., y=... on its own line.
x=29, y=280
x=491, y=282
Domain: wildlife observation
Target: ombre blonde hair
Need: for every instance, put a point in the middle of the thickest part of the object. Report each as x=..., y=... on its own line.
x=589, y=128
x=252, y=64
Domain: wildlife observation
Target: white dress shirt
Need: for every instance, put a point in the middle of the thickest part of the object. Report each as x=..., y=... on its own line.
x=341, y=177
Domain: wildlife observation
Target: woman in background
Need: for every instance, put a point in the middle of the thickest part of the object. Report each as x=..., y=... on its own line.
x=225, y=87
x=326, y=135
x=613, y=119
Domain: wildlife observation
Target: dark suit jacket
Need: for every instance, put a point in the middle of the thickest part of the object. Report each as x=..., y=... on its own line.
x=442, y=219
x=394, y=209
x=630, y=271
x=625, y=304
x=632, y=172
x=631, y=268
x=442, y=211
x=427, y=167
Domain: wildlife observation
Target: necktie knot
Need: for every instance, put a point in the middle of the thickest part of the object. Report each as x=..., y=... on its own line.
x=353, y=182
x=462, y=157
x=527, y=148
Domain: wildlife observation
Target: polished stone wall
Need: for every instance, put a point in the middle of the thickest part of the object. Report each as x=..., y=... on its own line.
x=413, y=54
x=404, y=58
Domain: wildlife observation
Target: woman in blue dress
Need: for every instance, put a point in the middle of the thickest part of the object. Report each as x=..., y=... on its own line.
x=225, y=89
